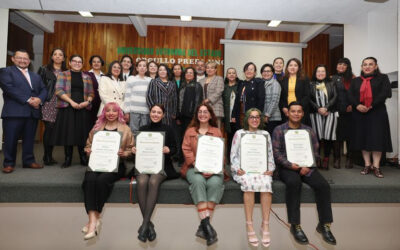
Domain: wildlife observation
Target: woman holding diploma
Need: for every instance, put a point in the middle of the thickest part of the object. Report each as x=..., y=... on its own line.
x=97, y=186
x=254, y=182
x=206, y=189
x=148, y=184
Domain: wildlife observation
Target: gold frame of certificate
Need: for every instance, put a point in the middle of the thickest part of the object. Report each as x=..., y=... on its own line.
x=254, y=153
x=210, y=154
x=104, y=156
x=299, y=147
x=149, y=157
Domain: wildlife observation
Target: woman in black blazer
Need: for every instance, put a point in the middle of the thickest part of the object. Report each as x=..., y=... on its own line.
x=295, y=87
x=250, y=94
x=370, y=124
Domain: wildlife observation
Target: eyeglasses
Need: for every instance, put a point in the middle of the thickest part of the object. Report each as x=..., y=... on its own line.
x=267, y=71
x=77, y=62
x=254, y=117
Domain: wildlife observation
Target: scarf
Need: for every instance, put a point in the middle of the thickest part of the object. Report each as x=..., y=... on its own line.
x=321, y=86
x=366, y=91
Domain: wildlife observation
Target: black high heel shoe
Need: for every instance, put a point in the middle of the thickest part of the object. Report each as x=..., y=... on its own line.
x=151, y=233
x=143, y=233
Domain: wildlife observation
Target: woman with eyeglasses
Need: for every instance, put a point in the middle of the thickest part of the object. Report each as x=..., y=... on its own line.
x=254, y=182
x=75, y=93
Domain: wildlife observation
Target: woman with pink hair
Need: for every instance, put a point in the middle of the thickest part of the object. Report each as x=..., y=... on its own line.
x=97, y=186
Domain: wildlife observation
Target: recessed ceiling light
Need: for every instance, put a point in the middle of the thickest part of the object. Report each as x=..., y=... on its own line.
x=186, y=18
x=274, y=23
x=85, y=13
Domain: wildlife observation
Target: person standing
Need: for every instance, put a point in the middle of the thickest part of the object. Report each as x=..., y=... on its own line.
x=135, y=97
x=75, y=93
x=200, y=70
x=251, y=94
x=229, y=95
x=323, y=113
x=294, y=175
x=127, y=67
x=49, y=74
x=95, y=62
x=23, y=93
x=342, y=80
x=213, y=86
x=163, y=91
x=272, y=114
x=370, y=122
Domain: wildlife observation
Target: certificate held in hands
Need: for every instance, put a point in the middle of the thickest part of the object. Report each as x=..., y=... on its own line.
x=104, y=156
x=299, y=148
x=253, y=153
x=210, y=154
x=149, y=157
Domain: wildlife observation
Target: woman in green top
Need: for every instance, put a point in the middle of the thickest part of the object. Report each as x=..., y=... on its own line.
x=229, y=95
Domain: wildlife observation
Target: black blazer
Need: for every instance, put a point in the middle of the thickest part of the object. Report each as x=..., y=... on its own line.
x=332, y=97
x=254, y=96
x=302, y=92
x=380, y=86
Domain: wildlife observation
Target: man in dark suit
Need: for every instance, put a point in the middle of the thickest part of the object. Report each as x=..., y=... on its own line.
x=23, y=93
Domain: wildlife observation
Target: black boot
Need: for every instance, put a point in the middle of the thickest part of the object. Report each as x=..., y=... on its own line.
x=83, y=156
x=48, y=155
x=68, y=156
x=336, y=154
x=349, y=162
x=209, y=231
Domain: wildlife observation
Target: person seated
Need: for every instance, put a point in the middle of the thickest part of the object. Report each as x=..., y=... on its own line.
x=293, y=175
x=254, y=182
x=206, y=189
x=148, y=184
x=97, y=186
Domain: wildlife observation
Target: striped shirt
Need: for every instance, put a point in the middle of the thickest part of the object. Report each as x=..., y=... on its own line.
x=135, y=96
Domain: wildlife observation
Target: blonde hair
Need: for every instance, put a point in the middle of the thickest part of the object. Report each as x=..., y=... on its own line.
x=212, y=64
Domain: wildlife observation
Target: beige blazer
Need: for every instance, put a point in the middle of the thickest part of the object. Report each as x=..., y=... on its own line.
x=214, y=94
x=111, y=90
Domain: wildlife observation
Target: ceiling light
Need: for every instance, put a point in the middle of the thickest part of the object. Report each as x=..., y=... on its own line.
x=274, y=23
x=85, y=13
x=186, y=18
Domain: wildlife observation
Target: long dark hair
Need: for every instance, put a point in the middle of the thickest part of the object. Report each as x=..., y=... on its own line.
x=182, y=70
x=299, y=74
x=130, y=58
x=148, y=68
x=195, y=121
x=348, y=74
x=109, y=73
x=50, y=65
x=314, y=74
x=183, y=79
x=169, y=74
x=377, y=71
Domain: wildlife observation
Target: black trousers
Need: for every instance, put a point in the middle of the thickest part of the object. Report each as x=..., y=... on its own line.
x=97, y=188
x=317, y=182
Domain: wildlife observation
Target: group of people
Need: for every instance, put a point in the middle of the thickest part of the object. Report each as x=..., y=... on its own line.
x=185, y=103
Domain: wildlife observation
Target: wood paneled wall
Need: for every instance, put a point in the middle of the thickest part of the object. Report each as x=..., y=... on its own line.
x=88, y=39
x=317, y=52
x=19, y=39
x=334, y=55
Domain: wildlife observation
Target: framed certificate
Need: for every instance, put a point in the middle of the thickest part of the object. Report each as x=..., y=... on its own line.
x=253, y=153
x=149, y=157
x=210, y=154
x=104, y=156
x=299, y=147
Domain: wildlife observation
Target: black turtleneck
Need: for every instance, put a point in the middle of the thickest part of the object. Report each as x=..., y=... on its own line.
x=170, y=142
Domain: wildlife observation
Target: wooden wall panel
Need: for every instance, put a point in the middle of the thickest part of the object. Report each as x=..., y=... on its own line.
x=104, y=39
x=317, y=52
x=19, y=39
x=334, y=55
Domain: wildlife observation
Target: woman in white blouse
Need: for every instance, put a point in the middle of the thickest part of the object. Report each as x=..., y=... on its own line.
x=254, y=182
x=112, y=86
